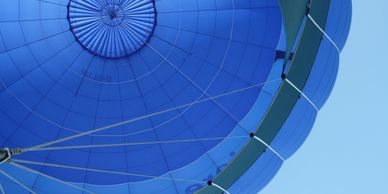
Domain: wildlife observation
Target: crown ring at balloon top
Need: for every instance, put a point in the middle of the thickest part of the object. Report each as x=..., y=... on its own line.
x=109, y=28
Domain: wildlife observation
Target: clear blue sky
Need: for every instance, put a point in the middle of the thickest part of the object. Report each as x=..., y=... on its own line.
x=347, y=151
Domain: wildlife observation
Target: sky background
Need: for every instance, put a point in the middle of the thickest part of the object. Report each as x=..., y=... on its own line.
x=347, y=151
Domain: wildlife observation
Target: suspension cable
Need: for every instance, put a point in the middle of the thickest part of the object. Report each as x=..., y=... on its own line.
x=323, y=32
x=12, y=162
x=2, y=189
x=17, y=182
x=143, y=117
x=103, y=171
x=137, y=143
x=301, y=93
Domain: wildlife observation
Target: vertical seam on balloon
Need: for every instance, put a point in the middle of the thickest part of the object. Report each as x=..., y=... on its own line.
x=178, y=115
x=181, y=115
x=132, y=120
x=220, y=106
x=138, y=143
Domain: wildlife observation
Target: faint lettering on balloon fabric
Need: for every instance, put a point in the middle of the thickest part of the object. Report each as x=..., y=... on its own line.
x=97, y=77
x=195, y=187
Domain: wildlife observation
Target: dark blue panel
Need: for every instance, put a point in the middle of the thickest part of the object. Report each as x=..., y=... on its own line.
x=83, y=64
x=69, y=66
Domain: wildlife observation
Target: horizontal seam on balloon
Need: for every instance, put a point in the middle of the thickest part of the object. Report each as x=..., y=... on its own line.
x=49, y=177
x=17, y=181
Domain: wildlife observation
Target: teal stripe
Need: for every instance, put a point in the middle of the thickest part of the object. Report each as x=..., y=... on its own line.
x=286, y=97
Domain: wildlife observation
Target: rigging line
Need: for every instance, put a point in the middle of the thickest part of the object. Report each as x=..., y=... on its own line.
x=219, y=187
x=31, y=20
x=222, y=107
x=2, y=189
x=177, y=35
x=17, y=182
x=324, y=33
x=104, y=171
x=137, y=143
x=202, y=90
x=143, y=117
x=269, y=147
x=198, y=98
x=182, y=112
x=50, y=177
x=300, y=92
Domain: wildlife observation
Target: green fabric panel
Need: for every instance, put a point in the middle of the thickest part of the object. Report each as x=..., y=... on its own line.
x=293, y=12
x=278, y=113
x=306, y=53
x=247, y=156
x=282, y=104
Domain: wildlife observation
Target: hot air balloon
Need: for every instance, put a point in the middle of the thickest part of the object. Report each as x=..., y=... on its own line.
x=161, y=96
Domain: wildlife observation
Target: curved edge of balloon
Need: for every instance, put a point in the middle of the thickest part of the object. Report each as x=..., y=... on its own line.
x=318, y=89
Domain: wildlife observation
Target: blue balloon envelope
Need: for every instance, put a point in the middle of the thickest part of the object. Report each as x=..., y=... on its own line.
x=167, y=96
